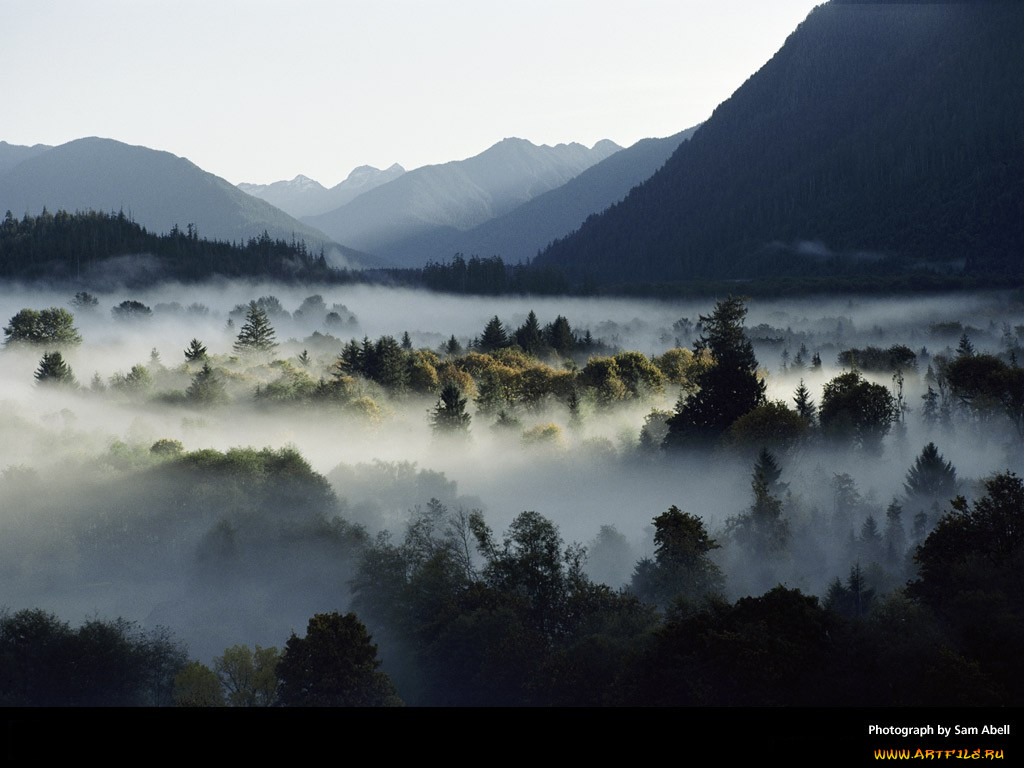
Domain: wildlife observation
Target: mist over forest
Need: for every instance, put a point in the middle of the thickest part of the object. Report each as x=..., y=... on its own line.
x=731, y=418
x=168, y=474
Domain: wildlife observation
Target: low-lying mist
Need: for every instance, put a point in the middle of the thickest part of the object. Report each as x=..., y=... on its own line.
x=243, y=546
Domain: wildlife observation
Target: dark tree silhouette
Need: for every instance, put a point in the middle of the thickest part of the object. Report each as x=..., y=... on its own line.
x=726, y=389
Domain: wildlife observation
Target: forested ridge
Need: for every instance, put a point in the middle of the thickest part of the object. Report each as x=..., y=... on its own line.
x=882, y=138
x=79, y=246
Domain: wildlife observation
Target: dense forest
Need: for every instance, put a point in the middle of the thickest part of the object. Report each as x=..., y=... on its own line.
x=882, y=138
x=399, y=589
x=85, y=247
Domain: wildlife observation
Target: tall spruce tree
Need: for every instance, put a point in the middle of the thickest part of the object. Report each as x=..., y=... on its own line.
x=196, y=351
x=257, y=334
x=449, y=416
x=494, y=336
x=726, y=389
x=529, y=335
x=53, y=369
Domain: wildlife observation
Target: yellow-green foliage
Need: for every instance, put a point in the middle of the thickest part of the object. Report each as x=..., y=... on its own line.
x=676, y=365
x=513, y=357
x=366, y=407
x=474, y=363
x=639, y=374
x=291, y=386
x=601, y=374
x=544, y=434
x=448, y=373
x=532, y=385
x=423, y=372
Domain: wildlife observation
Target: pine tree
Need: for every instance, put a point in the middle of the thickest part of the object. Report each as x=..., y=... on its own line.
x=895, y=536
x=761, y=530
x=931, y=476
x=494, y=336
x=350, y=361
x=930, y=410
x=206, y=387
x=195, y=352
x=449, y=416
x=452, y=347
x=406, y=341
x=53, y=369
x=805, y=406
x=257, y=334
x=965, y=348
x=559, y=336
x=728, y=388
x=529, y=336
x=304, y=359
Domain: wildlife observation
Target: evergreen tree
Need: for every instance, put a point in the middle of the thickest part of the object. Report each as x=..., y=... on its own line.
x=406, y=341
x=559, y=336
x=965, y=348
x=206, y=387
x=895, y=536
x=931, y=476
x=53, y=369
x=852, y=600
x=449, y=416
x=529, y=335
x=452, y=347
x=388, y=364
x=682, y=566
x=257, y=334
x=804, y=404
x=494, y=336
x=726, y=389
x=304, y=359
x=761, y=530
x=930, y=411
x=350, y=361
x=196, y=351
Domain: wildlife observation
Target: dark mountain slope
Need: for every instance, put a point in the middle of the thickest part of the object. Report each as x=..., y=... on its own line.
x=879, y=138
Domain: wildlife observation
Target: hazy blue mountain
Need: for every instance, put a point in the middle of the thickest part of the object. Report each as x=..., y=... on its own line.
x=458, y=195
x=157, y=189
x=521, y=233
x=302, y=196
x=882, y=137
x=12, y=154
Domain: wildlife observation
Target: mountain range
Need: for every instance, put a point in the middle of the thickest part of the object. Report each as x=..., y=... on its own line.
x=389, y=221
x=302, y=196
x=156, y=189
x=881, y=137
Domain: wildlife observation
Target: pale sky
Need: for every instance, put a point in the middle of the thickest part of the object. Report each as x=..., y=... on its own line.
x=258, y=91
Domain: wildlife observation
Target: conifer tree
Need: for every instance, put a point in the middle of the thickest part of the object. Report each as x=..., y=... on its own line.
x=529, y=336
x=726, y=389
x=452, y=347
x=196, y=351
x=805, y=406
x=206, y=387
x=931, y=476
x=449, y=416
x=257, y=334
x=494, y=336
x=53, y=369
